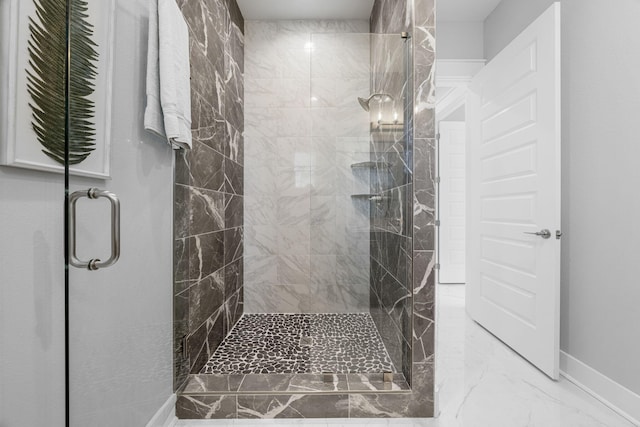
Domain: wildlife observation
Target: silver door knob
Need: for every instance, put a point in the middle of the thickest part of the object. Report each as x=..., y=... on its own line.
x=545, y=234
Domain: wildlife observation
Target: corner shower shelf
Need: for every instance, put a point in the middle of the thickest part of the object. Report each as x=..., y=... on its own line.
x=370, y=165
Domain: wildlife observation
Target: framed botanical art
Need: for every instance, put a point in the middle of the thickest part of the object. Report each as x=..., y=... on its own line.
x=32, y=85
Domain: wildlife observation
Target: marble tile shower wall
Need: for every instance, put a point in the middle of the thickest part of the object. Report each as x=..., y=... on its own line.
x=208, y=205
x=391, y=218
x=307, y=240
x=402, y=248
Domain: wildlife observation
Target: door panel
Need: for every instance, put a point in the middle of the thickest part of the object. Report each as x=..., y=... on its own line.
x=451, y=202
x=513, y=184
x=120, y=316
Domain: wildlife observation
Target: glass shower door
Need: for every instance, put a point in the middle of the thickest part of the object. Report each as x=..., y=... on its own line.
x=119, y=189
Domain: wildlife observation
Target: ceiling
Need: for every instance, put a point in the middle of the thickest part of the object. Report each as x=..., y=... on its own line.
x=464, y=10
x=306, y=9
x=447, y=10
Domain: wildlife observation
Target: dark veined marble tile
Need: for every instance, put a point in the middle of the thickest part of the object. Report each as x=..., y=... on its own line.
x=418, y=404
x=205, y=298
x=181, y=211
x=212, y=128
x=234, y=149
x=233, y=244
x=207, y=77
x=425, y=160
x=200, y=167
x=201, y=383
x=234, y=177
x=233, y=307
x=375, y=382
x=425, y=11
x=395, y=297
x=180, y=265
x=233, y=277
x=293, y=406
x=233, y=211
x=214, y=333
x=195, y=343
x=205, y=407
x=235, y=14
x=423, y=309
x=180, y=330
x=234, y=97
x=389, y=16
x=206, y=209
x=206, y=254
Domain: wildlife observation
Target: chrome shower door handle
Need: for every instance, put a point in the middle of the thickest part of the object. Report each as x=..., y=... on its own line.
x=545, y=234
x=94, y=264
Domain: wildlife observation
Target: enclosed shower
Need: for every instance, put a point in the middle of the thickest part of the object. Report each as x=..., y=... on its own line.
x=327, y=111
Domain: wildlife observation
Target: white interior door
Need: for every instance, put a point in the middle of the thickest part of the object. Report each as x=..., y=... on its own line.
x=513, y=187
x=451, y=201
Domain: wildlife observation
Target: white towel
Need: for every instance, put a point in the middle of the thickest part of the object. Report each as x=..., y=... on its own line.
x=168, y=111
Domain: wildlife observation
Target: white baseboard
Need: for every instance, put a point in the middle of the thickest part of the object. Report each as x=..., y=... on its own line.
x=617, y=397
x=166, y=415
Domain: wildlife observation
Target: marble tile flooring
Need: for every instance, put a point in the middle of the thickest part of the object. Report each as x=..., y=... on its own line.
x=482, y=383
x=301, y=343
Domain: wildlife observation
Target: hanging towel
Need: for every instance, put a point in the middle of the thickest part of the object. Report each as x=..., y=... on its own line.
x=168, y=111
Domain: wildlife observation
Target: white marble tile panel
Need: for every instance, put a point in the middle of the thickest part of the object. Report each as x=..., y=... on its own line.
x=324, y=182
x=352, y=121
x=293, y=122
x=323, y=238
x=293, y=239
x=348, y=90
x=353, y=268
x=294, y=153
x=262, y=61
x=276, y=298
x=323, y=153
x=260, y=269
x=323, y=270
x=326, y=63
x=262, y=93
x=323, y=122
x=261, y=122
x=323, y=209
x=294, y=269
x=260, y=182
x=295, y=63
x=323, y=92
x=260, y=210
x=293, y=92
x=260, y=240
x=293, y=181
x=293, y=210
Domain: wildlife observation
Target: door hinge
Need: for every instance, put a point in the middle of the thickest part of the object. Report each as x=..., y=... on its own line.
x=437, y=180
x=438, y=136
x=558, y=234
x=437, y=267
x=437, y=223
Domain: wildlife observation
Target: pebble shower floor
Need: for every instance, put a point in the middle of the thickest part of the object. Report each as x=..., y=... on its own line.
x=301, y=343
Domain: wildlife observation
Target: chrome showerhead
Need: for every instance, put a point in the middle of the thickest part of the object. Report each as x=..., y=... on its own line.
x=364, y=103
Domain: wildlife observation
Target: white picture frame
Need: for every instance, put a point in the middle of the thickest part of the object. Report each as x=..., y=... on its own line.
x=19, y=146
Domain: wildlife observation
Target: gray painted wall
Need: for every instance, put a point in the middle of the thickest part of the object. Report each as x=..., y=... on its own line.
x=460, y=40
x=122, y=322
x=600, y=207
